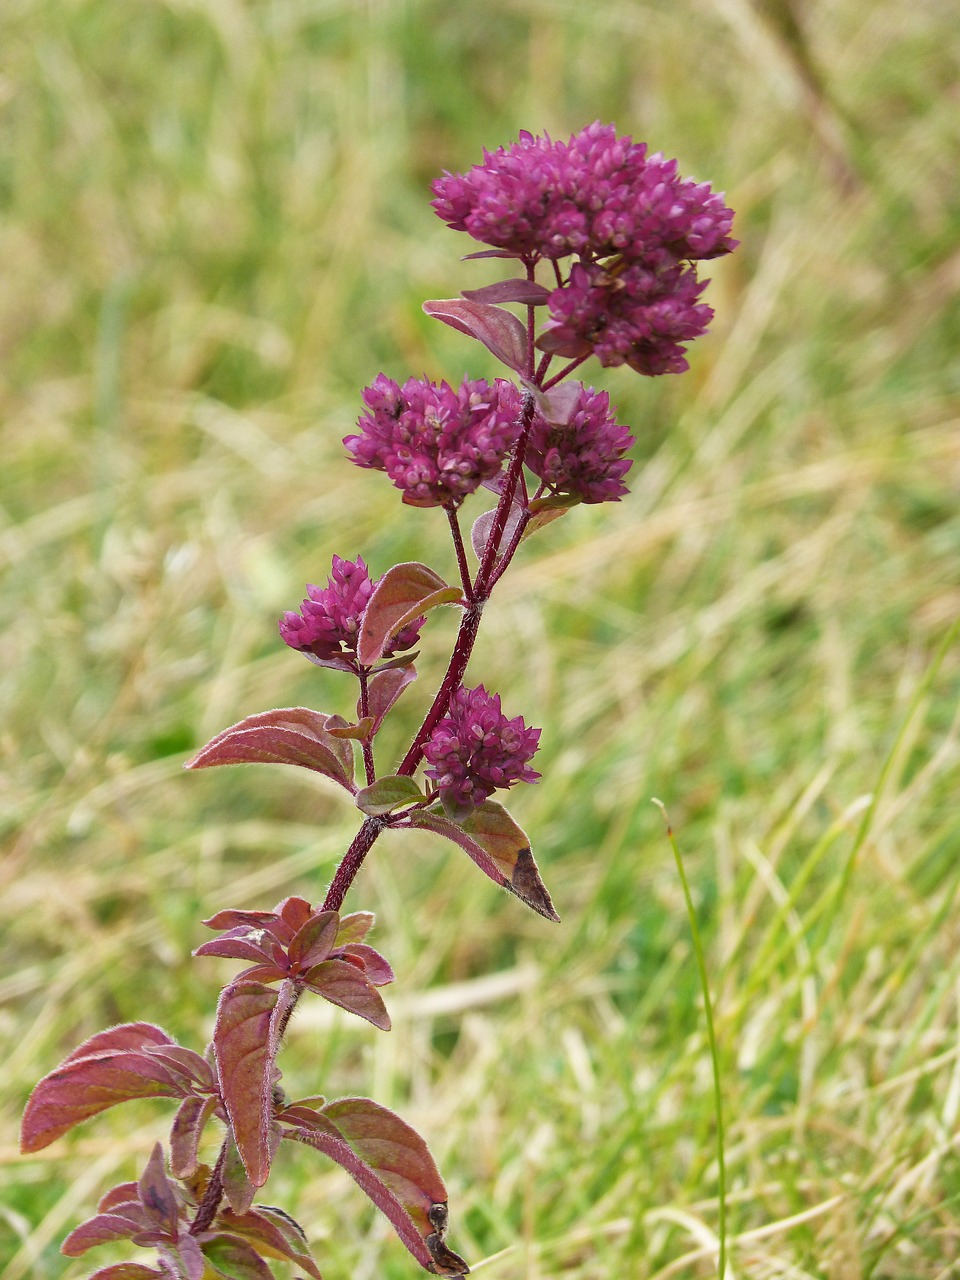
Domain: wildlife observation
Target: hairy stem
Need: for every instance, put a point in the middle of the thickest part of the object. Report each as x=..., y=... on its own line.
x=352, y=861
x=454, y=522
x=207, y=1210
x=369, y=768
x=469, y=626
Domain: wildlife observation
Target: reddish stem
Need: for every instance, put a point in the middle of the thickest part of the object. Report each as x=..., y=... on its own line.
x=207, y=1209
x=369, y=767
x=352, y=861
x=454, y=522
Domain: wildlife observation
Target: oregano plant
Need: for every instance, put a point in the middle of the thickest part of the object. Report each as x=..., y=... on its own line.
x=600, y=243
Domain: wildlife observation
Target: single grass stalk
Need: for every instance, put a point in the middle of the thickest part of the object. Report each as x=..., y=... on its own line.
x=711, y=1039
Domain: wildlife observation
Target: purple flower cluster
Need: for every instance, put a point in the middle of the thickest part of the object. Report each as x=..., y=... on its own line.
x=436, y=444
x=584, y=457
x=637, y=314
x=475, y=749
x=632, y=222
x=326, y=626
x=594, y=196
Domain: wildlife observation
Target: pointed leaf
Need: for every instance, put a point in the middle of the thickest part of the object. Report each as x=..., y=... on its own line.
x=500, y=331
x=324, y=1136
x=400, y=597
x=126, y=1271
x=128, y=1035
x=101, y=1229
x=83, y=1087
x=288, y=735
x=345, y=985
x=189, y=1064
x=236, y=949
x=248, y=1014
x=188, y=1125
x=556, y=406
x=123, y=1194
x=157, y=1194
x=388, y=793
x=393, y=1165
x=296, y=911
x=490, y=253
x=355, y=927
x=545, y=510
x=234, y=1258
x=375, y=967
x=360, y=731
x=383, y=689
x=183, y=1259
x=315, y=940
x=482, y=526
x=274, y=1233
x=528, y=292
x=231, y=918
x=237, y=1187
x=500, y=849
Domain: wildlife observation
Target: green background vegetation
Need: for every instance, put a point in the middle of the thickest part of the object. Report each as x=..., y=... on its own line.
x=214, y=231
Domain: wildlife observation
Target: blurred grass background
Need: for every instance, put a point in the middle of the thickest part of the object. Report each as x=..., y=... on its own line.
x=214, y=232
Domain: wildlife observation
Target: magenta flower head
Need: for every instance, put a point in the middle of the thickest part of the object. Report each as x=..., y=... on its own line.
x=437, y=445
x=326, y=627
x=475, y=750
x=594, y=196
x=638, y=314
x=584, y=457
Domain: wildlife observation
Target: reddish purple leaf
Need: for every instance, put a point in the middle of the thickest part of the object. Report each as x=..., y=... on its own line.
x=528, y=292
x=84, y=1086
x=383, y=689
x=345, y=985
x=288, y=735
x=354, y=927
x=274, y=1232
x=500, y=849
x=188, y=1125
x=490, y=253
x=101, y=1229
x=157, y=1194
x=557, y=404
x=500, y=331
x=231, y=918
x=188, y=1064
x=236, y=948
x=296, y=911
x=128, y=1035
x=315, y=940
x=246, y=1040
x=482, y=526
x=391, y=1163
x=233, y=1257
x=185, y=1258
x=237, y=1187
x=127, y=1271
x=375, y=967
x=124, y=1193
x=400, y=597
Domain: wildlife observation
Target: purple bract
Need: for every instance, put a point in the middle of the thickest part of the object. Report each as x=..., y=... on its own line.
x=329, y=619
x=475, y=749
x=436, y=444
x=584, y=457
